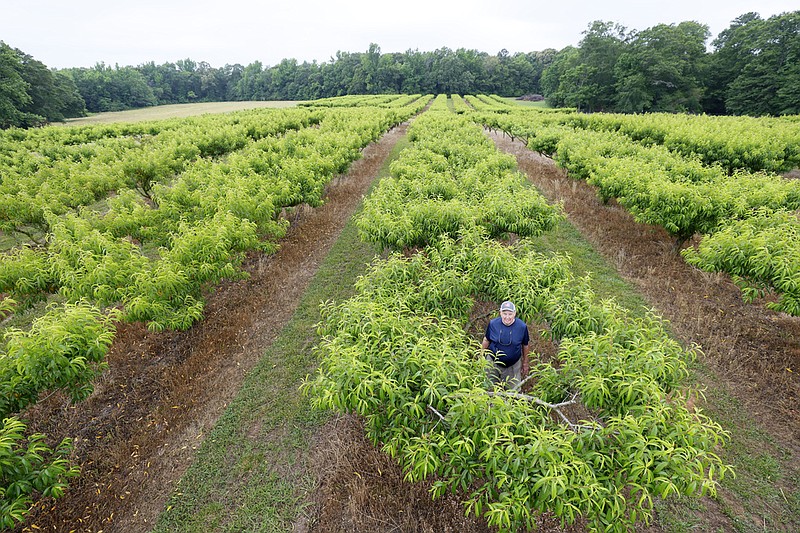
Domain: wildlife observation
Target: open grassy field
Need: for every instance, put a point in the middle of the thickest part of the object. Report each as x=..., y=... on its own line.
x=525, y=103
x=174, y=111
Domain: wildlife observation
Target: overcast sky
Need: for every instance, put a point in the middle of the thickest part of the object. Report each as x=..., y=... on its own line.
x=81, y=33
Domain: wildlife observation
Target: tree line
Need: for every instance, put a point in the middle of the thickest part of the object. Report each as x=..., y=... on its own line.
x=753, y=68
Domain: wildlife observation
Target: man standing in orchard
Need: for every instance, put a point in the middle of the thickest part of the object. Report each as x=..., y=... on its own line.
x=507, y=339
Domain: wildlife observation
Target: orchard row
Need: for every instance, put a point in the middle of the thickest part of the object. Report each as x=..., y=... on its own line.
x=138, y=224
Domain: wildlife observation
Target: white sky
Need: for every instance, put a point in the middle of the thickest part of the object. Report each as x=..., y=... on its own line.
x=81, y=33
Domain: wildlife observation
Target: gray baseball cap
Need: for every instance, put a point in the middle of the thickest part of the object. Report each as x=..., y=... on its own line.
x=508, y=306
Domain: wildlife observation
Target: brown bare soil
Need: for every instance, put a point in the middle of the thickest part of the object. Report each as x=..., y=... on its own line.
x=361, y=489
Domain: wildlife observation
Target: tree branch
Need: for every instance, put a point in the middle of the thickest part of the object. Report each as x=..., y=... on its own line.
x=483, y=316
x=552, y=406
x=519, y=385
x=437, y=413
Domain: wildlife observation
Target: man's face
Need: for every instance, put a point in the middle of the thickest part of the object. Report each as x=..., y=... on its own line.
x=508, y=317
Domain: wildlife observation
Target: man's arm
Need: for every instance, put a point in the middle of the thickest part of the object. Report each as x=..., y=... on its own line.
x=485, y=343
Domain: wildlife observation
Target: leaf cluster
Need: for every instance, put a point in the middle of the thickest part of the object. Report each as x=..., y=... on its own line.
x=452, y=179
x=760, y=253
x=28, y=469
x=63, y=350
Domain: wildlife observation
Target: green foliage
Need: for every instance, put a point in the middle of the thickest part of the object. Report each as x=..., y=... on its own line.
x=397, y=353
x=168, y=293
x=735, y=143
x=662, y=69
x=367, y=73
x=756, y=67
x=104, y=88
x=25, y=272
x=63, y=350
x=164, y=239
x=653, y=166
x=29, y=468
x=666, y=67
x=180, y=221
x=31, y=94
x=450, y=180
x=13, y=91
x=761, y=254
x=86, y=263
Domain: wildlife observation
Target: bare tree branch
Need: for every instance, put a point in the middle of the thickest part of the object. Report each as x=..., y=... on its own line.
x=437, y=413
x=552, y=406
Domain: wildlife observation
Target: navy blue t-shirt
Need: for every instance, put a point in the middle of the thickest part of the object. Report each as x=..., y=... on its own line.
x=506, y=342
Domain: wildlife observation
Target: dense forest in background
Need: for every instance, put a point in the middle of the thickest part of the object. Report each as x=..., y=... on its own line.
x=753, y=69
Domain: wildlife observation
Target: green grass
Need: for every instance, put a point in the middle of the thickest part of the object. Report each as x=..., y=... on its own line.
x=765, y=488
x=14, y=239
x=525, y=103
x=250, y=473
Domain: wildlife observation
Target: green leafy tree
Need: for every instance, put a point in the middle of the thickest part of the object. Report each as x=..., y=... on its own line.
x=662, y=68
x=53, y=96
x=756, y=63
x=13, y=89
x=729, y=57
x=522, y=77
x=283, y=80
x=600, y=48
x=391, y=72
x=556, y=92
x=31, y=94
x=583, y=77
x=104, y=88
x=67, y=94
